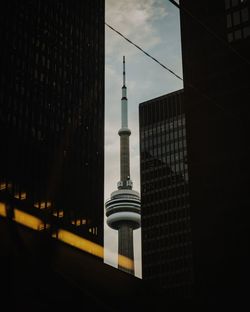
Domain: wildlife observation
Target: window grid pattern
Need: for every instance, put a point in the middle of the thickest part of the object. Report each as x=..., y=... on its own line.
x=166, y=228
x=237, y=19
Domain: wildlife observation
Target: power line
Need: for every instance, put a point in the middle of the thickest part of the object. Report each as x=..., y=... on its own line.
x=138, y=47
x=172, y=72
x=175, y=3
x=165, y=67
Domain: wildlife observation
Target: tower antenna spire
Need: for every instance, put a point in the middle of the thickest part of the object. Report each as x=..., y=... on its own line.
x=124, y=73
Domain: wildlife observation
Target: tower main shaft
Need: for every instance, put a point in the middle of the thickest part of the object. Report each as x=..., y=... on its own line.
x=123, y=208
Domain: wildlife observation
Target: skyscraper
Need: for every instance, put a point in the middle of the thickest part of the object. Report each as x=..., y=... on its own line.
x=123, y=208
x=52, y=112
x=166, y=225
x=215, y=50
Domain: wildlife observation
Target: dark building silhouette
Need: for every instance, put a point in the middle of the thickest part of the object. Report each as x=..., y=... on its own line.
x=215, y=39
x=51, y=275
x=52, y=112
x=166, y=228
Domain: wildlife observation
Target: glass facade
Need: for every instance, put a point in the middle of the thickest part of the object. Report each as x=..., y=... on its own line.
x=52, y=113
x=166, y=227
x=237, y=20
x=217, y=93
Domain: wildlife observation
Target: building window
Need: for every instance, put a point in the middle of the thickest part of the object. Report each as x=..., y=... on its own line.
x=237, y=16
x=230, y=37
x=237, y=34
x=235, y=3
x=244, y=15
x=246, y=32
x=229, y=21
x=227, y=4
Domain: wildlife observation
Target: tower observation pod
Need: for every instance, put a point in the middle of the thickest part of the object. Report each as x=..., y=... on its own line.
x=123, y=209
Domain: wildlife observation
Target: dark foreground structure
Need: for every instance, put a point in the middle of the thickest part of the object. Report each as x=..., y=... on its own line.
x=52, y=112
x=40, y=273
x=216, y=47
x=195, y=198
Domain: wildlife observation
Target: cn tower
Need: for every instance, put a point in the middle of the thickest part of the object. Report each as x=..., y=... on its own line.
x=124, y=206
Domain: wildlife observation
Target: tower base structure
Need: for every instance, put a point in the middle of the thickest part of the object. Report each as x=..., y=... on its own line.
x=123, y=214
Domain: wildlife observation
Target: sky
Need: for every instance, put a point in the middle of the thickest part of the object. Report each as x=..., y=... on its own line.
x=153, y=25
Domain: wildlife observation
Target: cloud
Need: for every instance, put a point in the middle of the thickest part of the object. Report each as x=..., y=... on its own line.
x=134, y=19
x=131, y=13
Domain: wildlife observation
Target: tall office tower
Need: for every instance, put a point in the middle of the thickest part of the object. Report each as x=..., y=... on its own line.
x=215, y=49
x=123, y=208
x=52, y=112
x=166, y=227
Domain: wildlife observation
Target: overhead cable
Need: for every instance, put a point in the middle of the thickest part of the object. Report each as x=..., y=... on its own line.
x=138, y=47
x=169, y=70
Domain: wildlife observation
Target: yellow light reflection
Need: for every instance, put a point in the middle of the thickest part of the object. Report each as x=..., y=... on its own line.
x=79, y=222
x=27, y=220
x=21, y=196
x=43, y=226
x=2, y=210
x=43, y=204
x=58, y=214
x=65, y=236
x=125, y=262
x=80, y=243
x=4, y=186
x=90, y=247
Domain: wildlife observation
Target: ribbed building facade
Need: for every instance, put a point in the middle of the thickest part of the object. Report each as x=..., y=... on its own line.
x=52, y=112
x=166, y=225
x=215, y=52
